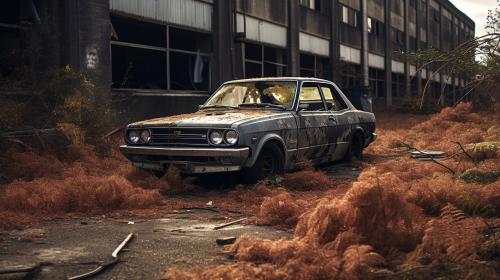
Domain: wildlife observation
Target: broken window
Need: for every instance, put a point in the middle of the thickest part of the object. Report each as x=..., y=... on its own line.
x=314, y=66
x=307, y=65
x=189, y=71
x=189, y=59
x=139, y=32
x=311, y=4
x=16, y=18
x=154, y=56
x=264, y=61
x=138, y=68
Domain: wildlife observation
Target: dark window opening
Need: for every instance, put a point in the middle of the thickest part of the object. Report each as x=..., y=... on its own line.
x=253, y=70
x=264, y=61
x=373, y=26
x=138, y=68
x=274, y=70
x=253, y=52
x=311, y=4
x=139, y=32
x=307, y=61
x=9, y=13
x=187, y=73
x=349, y=16
x=189, y=40
x=140, y=51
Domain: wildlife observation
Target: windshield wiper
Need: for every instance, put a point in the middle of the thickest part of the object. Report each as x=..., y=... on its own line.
x=218, y=106
x=263, y=105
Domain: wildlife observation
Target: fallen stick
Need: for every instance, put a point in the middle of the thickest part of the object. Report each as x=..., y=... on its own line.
x=200, y=208
x=429, y=158
x=112, y=132
x=21, y=269
x=465, y=152
x=230, y=223
x=114, y=259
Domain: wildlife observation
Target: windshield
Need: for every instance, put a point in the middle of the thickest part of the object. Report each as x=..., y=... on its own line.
x=272, y=93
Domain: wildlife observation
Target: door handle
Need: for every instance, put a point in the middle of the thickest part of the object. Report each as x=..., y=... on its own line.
x=332, y=118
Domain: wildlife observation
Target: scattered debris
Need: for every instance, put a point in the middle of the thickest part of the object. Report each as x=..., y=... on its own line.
x=210, y=203
x=225, y=240
x=114, y=259
x=199, y=208
x=31, y=270
x=230, y=223
x=112, y=132
x=30, y=133
x=426, y=155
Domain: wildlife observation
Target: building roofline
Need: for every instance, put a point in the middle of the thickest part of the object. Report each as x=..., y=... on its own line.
x=456, y=11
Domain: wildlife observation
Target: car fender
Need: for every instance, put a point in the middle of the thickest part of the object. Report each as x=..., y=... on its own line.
x=263, y=140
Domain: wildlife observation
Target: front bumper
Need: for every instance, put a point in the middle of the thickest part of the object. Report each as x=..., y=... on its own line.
x=189, y=160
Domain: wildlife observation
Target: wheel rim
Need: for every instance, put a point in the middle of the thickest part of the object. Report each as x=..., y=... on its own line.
x=268, y=165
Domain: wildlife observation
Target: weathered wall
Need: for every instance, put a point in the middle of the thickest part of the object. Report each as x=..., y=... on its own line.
x=88, y=39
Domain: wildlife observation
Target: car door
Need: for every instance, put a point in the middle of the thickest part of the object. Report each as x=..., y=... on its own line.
x=312, y=120
x=339, y=126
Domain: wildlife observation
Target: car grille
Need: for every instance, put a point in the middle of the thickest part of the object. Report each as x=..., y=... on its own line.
x=179, y=136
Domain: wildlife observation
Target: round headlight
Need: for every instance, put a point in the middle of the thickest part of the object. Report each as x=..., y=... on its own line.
x=231, y=137
x=133, y=136
x=216, y=137
x=145, y=136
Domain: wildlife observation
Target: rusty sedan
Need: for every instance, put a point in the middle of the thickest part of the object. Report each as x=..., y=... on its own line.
x=260, y=127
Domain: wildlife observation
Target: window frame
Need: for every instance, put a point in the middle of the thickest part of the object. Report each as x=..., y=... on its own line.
x=335, y=94
x=306, y=83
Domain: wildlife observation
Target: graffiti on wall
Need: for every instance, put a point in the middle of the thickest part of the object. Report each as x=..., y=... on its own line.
x=91, y=59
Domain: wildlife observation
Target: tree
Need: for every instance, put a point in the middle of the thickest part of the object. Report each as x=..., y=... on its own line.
x=478, y=58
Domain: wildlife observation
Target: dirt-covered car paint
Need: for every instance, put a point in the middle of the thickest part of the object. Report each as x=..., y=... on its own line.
x=184, y=140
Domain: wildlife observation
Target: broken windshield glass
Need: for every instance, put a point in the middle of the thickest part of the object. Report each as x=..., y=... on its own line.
x=277, y=93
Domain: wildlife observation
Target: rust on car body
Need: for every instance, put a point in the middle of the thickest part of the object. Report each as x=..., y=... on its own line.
x=260, y=126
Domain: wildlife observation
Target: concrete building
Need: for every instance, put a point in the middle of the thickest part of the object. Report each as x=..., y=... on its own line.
x=165, y=56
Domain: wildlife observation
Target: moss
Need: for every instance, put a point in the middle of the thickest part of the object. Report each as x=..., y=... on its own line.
x=483, y=150
x=473, y=176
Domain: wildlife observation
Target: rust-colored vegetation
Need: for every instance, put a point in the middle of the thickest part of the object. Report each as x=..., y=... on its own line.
x=78, y=181
x=401, y=219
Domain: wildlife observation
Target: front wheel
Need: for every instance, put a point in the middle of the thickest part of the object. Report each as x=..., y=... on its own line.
x=270, y=162
x=355, y=149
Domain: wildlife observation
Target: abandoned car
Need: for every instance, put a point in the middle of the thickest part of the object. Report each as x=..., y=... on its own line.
x=258, y=126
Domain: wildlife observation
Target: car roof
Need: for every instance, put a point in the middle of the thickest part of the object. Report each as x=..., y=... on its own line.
x=308, y=79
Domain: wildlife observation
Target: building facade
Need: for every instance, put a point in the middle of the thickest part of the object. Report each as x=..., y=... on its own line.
x=163, y=57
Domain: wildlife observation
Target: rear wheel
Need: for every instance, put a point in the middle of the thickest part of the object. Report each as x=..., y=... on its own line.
x=270, y=162
x=355, y=149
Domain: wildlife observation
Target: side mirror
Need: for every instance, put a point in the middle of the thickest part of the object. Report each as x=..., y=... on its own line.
x=303, y=106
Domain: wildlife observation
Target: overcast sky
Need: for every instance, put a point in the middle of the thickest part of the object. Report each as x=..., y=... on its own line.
x=477, y=10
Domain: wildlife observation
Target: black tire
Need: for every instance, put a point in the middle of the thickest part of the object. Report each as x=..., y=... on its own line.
x=355, y=149
x=158, y=174
x=271, y=161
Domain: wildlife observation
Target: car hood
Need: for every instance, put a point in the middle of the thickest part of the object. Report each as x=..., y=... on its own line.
x=207, y=118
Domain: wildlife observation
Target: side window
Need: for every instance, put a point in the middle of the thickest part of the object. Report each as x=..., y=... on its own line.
x=310, y=95
x=333, y=101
